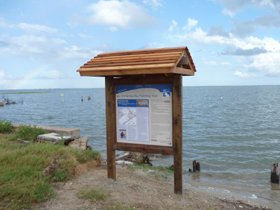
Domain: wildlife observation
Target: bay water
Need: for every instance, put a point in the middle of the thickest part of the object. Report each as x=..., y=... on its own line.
x=234, y=132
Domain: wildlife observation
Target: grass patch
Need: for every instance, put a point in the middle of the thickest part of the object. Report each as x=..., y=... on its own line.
x=27, y=171
x=121, y=206
x=156, y=170
x=6, y=127
x=87, y=155
x=92, y=195
x=27, y=133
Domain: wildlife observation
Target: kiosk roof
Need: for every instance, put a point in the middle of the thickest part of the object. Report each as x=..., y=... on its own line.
x=149, y=61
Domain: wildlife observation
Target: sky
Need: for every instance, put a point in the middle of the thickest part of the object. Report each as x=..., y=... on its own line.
x=44, y=42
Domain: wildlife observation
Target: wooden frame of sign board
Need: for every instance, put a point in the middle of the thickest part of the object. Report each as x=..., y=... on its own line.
x=175, y=149
x=154, y=67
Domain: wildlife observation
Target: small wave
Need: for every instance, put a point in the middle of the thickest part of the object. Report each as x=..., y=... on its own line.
x=253, y=196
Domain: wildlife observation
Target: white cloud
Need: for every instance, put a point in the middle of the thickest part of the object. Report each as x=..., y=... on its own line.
x=256, y=54
x=31, y=45
x=153, y=3
x=36, y=28
x=228, y=12
x=39, y=51
x=250, y=42
x=77, y=52
x=266, y=3
x=119, y=14
x=44, y=74
x=231, y=7
x=41, y=77
x=268, y=63
x=28, y=27
x=241, y=74
x=173, y=26
x=191, y=23
x=85, y=36
x=215, y=63
x=49, y=48
x=40, y=73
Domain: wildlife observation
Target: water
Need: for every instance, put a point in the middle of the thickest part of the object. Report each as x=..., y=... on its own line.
x=233, y=131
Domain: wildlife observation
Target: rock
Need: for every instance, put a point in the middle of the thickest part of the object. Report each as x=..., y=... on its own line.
x=80, y=143
x=123, y=156
x=67, y=141
x=53, y=138
x=10, y=102
x=6, y=101
x=275, y=172
x=196, y=166
x=138, y=157
x=73, y=132
x=123, y=162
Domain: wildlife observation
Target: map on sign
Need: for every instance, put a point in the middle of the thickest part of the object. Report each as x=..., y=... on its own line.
x=144, y=114
x=127, y=116
x=133, y=122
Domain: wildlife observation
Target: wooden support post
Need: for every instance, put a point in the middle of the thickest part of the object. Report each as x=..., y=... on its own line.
x=111, y=127
x=177, y=133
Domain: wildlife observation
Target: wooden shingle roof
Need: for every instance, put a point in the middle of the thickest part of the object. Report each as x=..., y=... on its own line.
x=149, y=61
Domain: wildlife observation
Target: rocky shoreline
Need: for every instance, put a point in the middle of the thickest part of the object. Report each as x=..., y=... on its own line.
x=136, y=189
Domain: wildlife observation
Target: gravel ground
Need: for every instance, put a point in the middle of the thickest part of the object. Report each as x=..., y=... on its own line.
x=134, y=189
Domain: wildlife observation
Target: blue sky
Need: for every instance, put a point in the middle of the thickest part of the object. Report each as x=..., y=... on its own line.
x=43, y=42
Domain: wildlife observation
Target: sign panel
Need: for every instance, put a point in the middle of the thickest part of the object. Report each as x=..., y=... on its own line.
x=144, y=114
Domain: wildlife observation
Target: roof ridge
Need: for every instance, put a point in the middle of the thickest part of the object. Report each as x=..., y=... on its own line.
x=175, y=60
x=142, y=50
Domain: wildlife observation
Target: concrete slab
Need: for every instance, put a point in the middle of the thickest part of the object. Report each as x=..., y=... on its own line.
x=80, y=143
x=53, y=137
x=73, y=132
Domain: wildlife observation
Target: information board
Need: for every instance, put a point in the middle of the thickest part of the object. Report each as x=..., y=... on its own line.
x=144, y=114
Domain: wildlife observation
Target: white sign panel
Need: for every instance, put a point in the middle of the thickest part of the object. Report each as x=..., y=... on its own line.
x=144, y=114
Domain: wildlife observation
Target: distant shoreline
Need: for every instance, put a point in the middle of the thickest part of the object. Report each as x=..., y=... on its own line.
x=24, y=92
x=192, y=86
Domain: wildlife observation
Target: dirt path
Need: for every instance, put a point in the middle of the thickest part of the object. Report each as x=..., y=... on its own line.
x=132, y=190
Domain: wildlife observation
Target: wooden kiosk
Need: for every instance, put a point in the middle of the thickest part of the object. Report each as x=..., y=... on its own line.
x=144, y=102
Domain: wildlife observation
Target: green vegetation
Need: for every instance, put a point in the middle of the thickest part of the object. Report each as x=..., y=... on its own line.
x=163, y=171
x=87, y=155
x=92, y=195
x=121, y=206
x=27, y=133
x=6, y=127
x=28, y=170
x=23, y=132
